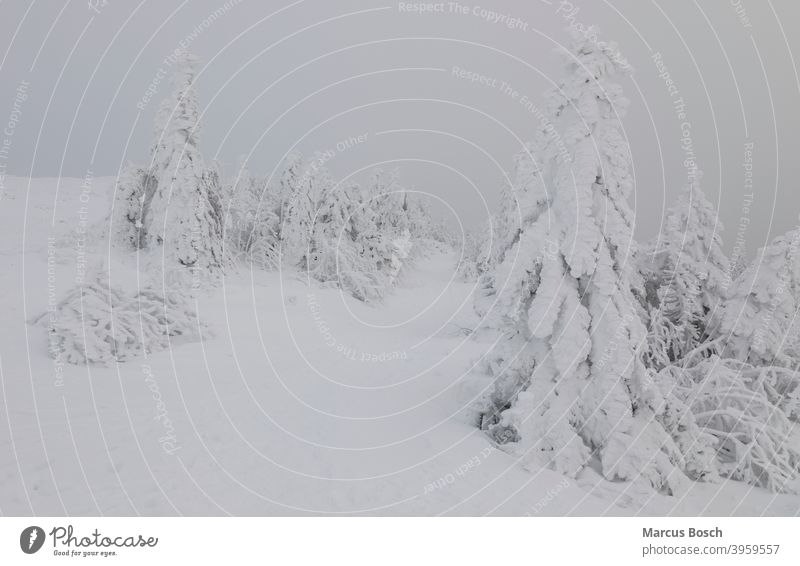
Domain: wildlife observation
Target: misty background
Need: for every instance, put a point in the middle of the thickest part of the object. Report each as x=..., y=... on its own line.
x=373, y=84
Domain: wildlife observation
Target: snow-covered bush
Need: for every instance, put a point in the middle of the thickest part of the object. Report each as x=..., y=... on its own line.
x=363, y=240
x=749, y=412
x=98, y=324
x=342, y=266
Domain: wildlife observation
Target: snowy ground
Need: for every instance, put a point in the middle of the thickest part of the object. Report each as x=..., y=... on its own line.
x=299, y=401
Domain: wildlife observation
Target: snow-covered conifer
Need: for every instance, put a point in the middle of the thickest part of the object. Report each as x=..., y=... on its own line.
x=132, y=193
x=690, y=279
x=303, y=183
x=578, y=387
x=184, y=215
x=336, y=251
x=759, y=318
x=252, y=221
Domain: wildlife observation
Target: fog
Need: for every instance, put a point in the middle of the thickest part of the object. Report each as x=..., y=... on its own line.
x=431, y=91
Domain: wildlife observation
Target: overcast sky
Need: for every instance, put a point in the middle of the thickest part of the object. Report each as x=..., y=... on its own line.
x=312, y=74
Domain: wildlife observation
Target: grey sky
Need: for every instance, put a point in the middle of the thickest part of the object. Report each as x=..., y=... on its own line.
x=369, y=67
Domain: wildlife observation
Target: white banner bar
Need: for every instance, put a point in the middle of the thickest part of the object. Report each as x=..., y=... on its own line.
x=402, y=541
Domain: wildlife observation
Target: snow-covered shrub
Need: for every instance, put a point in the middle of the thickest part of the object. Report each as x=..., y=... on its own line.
x=363, y=240
x=342, y=266
x=749, y=412
x=98, y=324
x=695, y=447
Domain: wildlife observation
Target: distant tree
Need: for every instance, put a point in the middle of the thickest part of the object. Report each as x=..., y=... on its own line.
x=252, y=220
x=738, y=263
x=758, y=322
x=690, y=279
x=302, y=184
x=337, y=251
x=184, y=215
x=134, y=189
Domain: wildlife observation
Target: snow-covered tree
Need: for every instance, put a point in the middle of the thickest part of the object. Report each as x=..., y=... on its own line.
x=384, y=219
x=337, y=254
x=475, y=259
x=420, y=223
x=184, y=215
x=690, y=279
x=288, y=184
x=252, y=220
x=361, y=239
x=525, y=198
x=521, y=201
x=759, y=320
x=738, y=262
x=302, y=185
x=133, y=191
x=573, y=385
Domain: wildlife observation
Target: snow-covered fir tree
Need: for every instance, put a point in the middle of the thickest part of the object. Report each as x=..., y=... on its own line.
x=184, y=215
x=689, y=279
x=738, y=263
x=337, y=254
x=288, y=182
x=303, y=183
x=420, y=223
x=475, y=254
x=759, y=321
x=385, y=218
x=252, y=220
x=132, y=194
x=571, y=386
x=524, y=199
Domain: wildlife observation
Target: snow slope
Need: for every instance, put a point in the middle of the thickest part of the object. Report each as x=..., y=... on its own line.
x=299, y=401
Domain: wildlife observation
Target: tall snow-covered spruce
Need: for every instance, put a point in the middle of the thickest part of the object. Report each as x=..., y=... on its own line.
x=571, y=387
x=184, y=214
